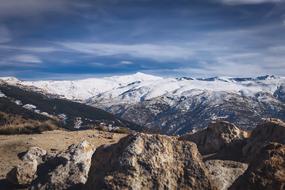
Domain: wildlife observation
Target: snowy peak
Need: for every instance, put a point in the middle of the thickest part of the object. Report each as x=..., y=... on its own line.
x=133, y=78
x=11, y=80
x=140, y=86
x=128, y=78
x=87, y=88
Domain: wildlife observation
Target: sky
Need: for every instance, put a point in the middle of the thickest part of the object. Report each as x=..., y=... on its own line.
x=62, y=39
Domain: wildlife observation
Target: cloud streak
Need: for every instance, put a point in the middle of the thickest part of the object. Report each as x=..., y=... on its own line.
x=34, y=49
x=156, y=52
x=25, y=58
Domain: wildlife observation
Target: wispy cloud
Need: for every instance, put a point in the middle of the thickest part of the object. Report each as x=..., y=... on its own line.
x=25, y=58
x=34, y=49
x=158, y=52
x=126, y=62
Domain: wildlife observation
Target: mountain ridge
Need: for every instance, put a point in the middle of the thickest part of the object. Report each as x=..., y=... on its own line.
x=90, y=87
x=160, y=102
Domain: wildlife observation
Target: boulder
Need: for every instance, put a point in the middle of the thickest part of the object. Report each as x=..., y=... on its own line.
x=142, y=161
x=266, y=172
x=217, y=136
x=23, y=174
x=66, y=170
x=273, y=130
x=224, y=172
x=34, y=153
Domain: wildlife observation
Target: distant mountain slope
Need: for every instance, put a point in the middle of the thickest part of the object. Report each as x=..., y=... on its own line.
x=26, y=102
x=176, y=105
x=86, y=88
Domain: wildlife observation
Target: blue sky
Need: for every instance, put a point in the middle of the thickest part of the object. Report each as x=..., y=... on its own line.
x=59, y=39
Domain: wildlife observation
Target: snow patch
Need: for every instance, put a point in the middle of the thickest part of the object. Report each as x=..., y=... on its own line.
x=29, y=106
x=62, y=118
x=2, y=95
x=18, y=102
x=77, y=123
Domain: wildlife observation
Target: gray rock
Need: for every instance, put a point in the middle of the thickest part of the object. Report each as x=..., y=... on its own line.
x=34, y=153
x=224, y=172
x=24, y=173
x=141, y=161
x=70, y=168
x=216, y=137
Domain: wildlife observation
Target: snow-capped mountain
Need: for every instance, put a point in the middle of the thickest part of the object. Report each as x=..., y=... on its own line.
x=176, y=105
x=87, y=88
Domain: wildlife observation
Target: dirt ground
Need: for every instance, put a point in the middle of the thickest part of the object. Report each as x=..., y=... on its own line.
x=12, y=145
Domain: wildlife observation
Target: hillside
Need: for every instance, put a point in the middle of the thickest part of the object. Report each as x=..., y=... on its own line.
x=29, y=104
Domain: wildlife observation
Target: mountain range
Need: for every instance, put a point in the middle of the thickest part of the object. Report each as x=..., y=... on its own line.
x=173, y=105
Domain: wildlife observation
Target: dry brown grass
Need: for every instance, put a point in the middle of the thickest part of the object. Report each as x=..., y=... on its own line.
x=15, y=124
x=52, y=141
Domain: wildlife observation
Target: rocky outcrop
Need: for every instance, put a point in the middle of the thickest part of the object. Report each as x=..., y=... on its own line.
x=144, y=161
x=141, y=161
x=219, y=135
x=224, y=172
x=34, y=153
x=25, y=172
x=66, y=170
x=273, y=130
x=266, y=172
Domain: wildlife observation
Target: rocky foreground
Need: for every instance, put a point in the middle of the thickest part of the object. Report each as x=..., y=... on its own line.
x=142, y=161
